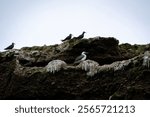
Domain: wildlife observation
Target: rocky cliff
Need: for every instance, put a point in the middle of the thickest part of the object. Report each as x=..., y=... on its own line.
x=111, y=71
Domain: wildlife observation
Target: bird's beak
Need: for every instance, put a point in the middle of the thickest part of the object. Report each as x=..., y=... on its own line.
x=86, y=52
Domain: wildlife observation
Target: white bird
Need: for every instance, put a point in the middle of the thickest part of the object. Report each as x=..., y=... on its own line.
x=81, y=58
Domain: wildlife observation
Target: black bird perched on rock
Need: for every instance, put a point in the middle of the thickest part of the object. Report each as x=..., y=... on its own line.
x=68, y=37
x=81, y=58
x=10, y=47
x=80, y=36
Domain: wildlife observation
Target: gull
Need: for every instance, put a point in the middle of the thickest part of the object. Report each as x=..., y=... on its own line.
x=80, y=36
x=10, y=47
x=81, y=58
x=67, y=38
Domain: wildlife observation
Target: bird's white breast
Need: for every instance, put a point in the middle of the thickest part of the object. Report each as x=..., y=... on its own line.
x=83, y=57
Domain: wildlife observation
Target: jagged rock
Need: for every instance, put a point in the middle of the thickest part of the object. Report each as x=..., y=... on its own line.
x=111, y=71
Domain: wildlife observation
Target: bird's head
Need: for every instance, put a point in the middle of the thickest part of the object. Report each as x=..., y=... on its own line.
x=13, y=43
x=84, y=32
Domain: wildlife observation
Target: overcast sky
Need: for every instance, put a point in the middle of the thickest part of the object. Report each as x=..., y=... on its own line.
x=39, y=22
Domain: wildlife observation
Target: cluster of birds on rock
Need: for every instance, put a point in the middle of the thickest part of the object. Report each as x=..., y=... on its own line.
x=67, y=38
x=80, y=58
x=70, y=37
x=83, y=55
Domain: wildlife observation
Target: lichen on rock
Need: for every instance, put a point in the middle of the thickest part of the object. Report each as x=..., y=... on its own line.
x=146, y=59
x=121, y=65
x=91, y=67
x=55, y=66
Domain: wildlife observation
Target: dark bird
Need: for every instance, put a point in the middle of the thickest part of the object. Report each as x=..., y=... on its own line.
x=67, y=38
x=10, y=47
x=81, y=58
x=80, y=36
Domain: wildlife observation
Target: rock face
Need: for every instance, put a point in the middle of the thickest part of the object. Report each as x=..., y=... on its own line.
x=111, y=71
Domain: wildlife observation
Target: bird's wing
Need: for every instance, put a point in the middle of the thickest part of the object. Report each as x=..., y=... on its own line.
x=8, y=47
x=79, y=36
x=79, y=58
x=68, y=37
x=63, y=40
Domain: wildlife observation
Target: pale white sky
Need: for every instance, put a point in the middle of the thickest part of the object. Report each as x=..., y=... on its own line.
x=39, y=22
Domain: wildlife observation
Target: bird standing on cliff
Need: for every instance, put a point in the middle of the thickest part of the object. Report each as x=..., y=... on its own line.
x=10, y=47
x=80, y=36
x=81, y=58
x=68, y=37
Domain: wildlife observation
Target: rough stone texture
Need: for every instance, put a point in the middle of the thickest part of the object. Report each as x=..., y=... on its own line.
x=112, y=71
